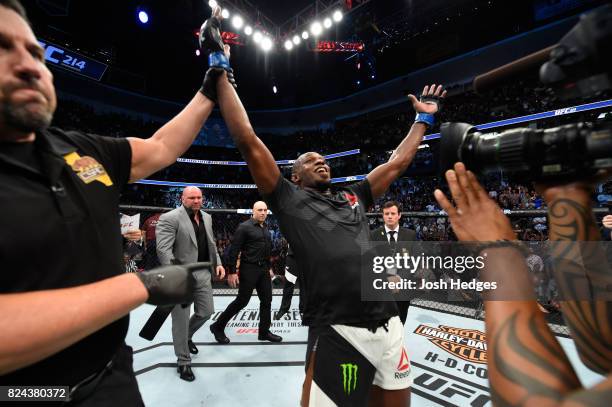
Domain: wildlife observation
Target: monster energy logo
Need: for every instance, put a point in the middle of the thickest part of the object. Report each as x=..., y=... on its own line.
x=349, y=377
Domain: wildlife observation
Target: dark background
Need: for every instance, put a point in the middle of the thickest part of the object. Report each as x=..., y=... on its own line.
x=159, y=59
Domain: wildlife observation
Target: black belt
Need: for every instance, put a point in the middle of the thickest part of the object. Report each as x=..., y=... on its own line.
x=372, y=325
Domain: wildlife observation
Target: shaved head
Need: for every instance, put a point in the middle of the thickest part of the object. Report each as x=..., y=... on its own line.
x=259, y=204
x=191, y=190
x=260, y=211
x=192, y=198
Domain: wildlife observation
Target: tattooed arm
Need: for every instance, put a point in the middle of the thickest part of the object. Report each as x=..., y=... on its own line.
x=582, y=273
x=526, y=364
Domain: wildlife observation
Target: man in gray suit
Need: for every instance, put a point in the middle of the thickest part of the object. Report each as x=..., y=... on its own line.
x=185, y=235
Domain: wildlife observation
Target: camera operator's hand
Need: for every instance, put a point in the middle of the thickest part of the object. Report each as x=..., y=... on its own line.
x=430, y=101
x=475, y=216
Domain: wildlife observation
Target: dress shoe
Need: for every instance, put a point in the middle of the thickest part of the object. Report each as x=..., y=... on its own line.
x=186, y=373
x=192, y=348
x=280, y=313
x=269, y=336
x=219, y=334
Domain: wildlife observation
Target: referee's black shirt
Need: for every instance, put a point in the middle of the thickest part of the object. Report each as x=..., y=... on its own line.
x=254, y=242
x=60, y=228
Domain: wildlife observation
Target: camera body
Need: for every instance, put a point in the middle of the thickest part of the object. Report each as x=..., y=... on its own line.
x=580, y=65
x=571, y=151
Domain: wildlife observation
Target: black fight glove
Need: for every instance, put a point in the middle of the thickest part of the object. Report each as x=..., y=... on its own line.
x=209, y=86
x=168, y=285
x=432, y=99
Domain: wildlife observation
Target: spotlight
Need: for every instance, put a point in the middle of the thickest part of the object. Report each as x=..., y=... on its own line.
x=305, y=35
x=197, y=52
x=248, y=30
x=358, y=83
x=257, y=37
x=296, y=39
x=143, y=16
x=266, y=44
x=237, y=22
x=288, y=45
x=316, y=28
x=327, y=22
x=274, y=89
x=212, y=4
x=225, y=13
x=337, y=16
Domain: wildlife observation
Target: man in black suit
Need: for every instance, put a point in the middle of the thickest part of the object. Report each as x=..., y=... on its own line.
x=392, y=233
x=292, y=275
x=252, y=240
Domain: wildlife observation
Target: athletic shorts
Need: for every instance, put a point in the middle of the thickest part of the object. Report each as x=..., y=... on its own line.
x=348, y=360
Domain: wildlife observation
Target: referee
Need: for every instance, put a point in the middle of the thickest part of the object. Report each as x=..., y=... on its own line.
x=252, y=240
x=64, y=295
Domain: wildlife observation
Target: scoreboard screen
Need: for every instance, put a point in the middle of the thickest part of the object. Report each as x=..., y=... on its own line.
x=71, y=61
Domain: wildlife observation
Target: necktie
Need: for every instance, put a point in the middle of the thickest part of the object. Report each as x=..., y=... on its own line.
x=392, y=241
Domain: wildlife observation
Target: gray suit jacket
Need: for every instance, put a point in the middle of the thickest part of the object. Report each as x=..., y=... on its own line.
x=176, y=239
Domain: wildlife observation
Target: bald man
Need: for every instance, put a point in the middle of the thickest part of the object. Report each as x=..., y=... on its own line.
x=185, y=235
x=252, y=240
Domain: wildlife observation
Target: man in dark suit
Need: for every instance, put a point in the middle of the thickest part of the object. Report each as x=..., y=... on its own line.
x=292, y=275
x=394, y=235
x=252, y=240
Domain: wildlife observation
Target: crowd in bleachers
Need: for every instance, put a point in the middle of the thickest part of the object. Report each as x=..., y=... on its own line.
x=375, y=134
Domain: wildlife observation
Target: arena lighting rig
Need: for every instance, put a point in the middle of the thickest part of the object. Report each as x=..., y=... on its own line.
x=246, y=19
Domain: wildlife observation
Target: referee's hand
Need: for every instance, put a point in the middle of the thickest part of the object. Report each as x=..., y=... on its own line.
x=168, y=285
x=233, y=280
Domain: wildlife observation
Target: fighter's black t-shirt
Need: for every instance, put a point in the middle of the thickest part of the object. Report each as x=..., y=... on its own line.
x=329, y=234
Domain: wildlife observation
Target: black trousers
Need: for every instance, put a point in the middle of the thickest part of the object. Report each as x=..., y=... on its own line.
x=251, y=277
x=117, y=387
x=287, y=295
